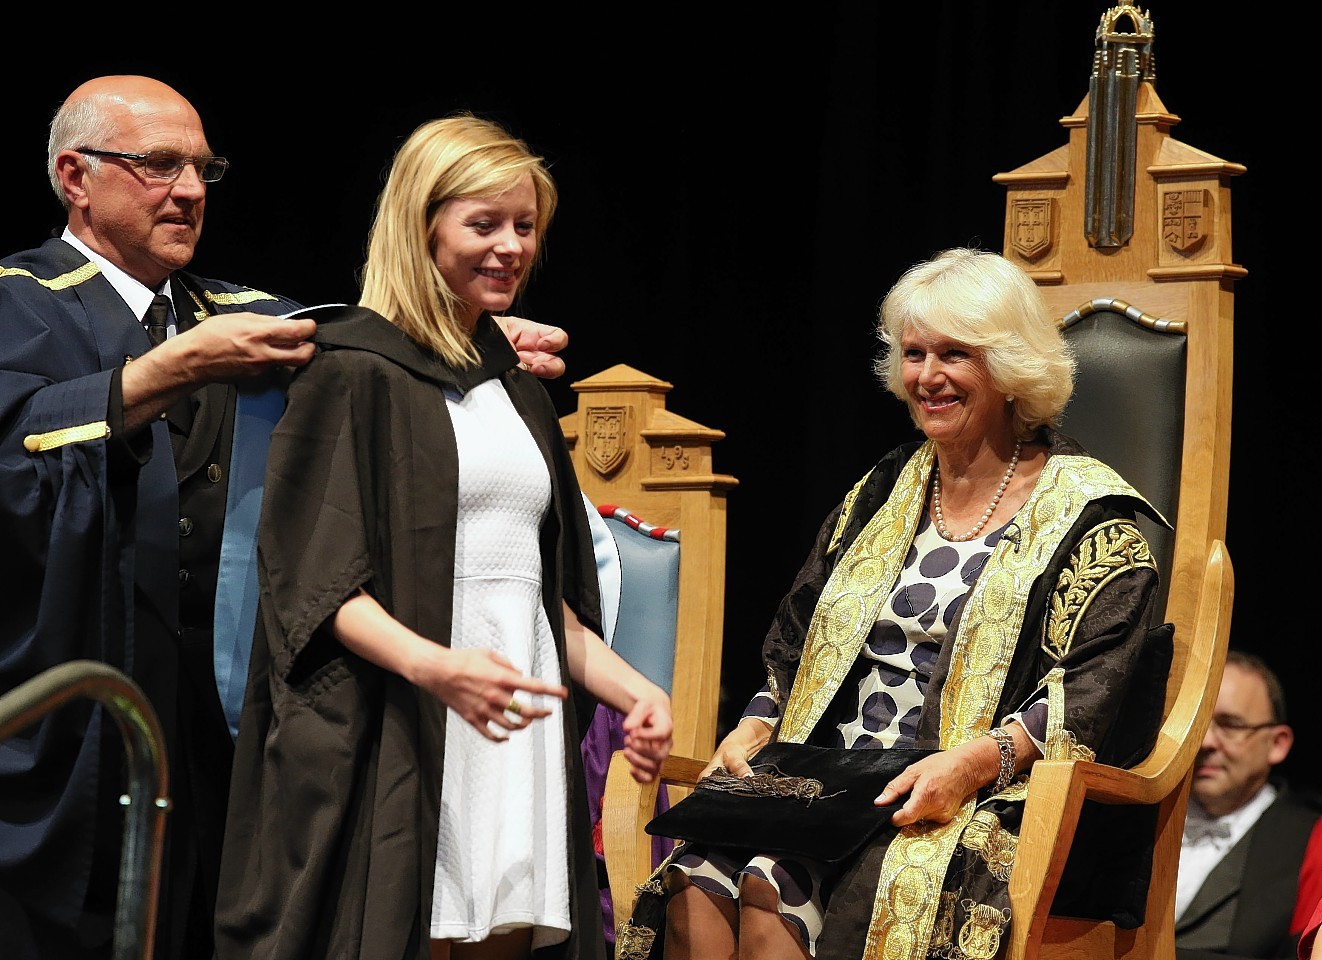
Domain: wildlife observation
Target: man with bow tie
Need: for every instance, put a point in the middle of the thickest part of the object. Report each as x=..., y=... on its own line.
x=1246, y=830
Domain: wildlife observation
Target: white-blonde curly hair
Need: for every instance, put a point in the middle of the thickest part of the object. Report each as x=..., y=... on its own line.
x=985, y=302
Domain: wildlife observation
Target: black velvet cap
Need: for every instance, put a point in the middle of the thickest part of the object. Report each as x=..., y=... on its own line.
x=829, y=817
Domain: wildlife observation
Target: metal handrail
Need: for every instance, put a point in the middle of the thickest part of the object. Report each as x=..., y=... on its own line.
x=147, y=799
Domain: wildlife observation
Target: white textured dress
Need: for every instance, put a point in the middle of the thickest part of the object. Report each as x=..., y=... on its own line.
x=502, y=858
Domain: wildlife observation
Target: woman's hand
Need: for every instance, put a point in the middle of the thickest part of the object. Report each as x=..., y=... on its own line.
x=939, y=784
x=648, y=728
x=739, y=745
x=648, y=734
x=481, y=686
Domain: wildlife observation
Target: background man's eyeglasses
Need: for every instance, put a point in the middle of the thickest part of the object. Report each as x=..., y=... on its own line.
x=164, y=165
x=1234, y=730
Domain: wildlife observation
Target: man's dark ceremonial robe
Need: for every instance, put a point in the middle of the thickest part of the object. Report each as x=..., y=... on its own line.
x=97, y=565
x=330, y=847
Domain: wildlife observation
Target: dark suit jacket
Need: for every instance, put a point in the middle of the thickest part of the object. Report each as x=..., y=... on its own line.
x=1245, y=905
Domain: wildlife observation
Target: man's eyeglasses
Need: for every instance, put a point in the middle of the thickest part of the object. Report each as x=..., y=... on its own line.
x=1235, y=730
x=164, y=165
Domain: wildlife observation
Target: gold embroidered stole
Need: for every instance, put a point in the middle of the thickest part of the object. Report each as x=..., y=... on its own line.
x=909, y=888
x=853, y=596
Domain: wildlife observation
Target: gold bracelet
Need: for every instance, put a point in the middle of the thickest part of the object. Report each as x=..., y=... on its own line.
x=1004, y=743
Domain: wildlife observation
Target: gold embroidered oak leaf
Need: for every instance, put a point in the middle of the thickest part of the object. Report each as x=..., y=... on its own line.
x=1104, y=552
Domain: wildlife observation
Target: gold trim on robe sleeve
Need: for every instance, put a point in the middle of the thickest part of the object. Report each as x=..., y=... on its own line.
x=63, y=282
x=1105, y=552
x=40, y=442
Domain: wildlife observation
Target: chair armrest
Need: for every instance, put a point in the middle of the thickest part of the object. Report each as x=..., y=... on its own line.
x=683, y=771
x=627, y=806
x=1057, y=788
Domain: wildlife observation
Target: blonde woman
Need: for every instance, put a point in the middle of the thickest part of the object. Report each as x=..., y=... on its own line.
x=407, y=779
x=951, y=603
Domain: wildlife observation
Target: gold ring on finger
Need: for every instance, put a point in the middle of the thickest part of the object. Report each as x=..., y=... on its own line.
x=514, y=707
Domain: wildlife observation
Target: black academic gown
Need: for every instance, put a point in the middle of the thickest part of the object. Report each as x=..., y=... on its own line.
x=331, y=841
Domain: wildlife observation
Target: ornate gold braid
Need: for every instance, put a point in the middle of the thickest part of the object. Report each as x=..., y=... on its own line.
x=97, y=430
x=634, y=941
x=222, y=299
x=65, y=280
x=845, y=509
x=41, y=442
x=992, y=842
x=1104, y=553
x=854, y=594
x=908, y=891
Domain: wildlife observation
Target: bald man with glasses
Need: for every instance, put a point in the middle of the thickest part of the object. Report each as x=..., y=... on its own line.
x=1246, y=831
x=135, y=398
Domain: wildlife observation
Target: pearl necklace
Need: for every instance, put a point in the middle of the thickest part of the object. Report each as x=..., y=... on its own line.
x=986, y=514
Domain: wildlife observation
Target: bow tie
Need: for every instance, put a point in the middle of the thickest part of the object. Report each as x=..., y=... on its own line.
x=1197, y=828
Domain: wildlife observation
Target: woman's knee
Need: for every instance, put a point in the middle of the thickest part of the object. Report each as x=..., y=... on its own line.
x=757, y=894
x=694, y=916
x=689, y=902
x=763, y=931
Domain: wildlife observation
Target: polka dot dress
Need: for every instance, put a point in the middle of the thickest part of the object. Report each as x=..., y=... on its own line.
x=896, y=664
x=903, y=645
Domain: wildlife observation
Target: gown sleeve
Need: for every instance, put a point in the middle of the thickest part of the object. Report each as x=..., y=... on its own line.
x=313, y=548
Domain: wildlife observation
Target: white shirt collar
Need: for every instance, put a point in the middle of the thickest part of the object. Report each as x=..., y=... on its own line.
x=1206, y=840
x=136, y=295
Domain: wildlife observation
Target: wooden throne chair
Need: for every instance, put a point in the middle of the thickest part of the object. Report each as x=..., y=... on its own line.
x=636, y=459
x=1127, y=232
x=661, y=555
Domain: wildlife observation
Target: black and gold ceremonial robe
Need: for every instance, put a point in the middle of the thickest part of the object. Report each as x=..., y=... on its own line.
x=1062, y=608
x=330, y=847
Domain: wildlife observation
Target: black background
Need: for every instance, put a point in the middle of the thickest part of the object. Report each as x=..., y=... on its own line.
x=737, y=194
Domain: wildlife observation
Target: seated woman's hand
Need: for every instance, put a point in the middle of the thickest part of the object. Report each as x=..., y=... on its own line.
x=939, y=784
x=733, y=753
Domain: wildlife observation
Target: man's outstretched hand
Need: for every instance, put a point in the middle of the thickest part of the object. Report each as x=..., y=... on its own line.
x=537, y=345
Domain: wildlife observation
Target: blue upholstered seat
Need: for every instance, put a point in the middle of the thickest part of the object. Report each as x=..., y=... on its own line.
x=647, y=606
x=638, y=570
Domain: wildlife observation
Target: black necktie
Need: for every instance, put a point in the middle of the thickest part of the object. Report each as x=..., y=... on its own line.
x=158, y=319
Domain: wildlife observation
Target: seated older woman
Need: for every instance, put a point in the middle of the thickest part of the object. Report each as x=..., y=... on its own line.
x=986, y=594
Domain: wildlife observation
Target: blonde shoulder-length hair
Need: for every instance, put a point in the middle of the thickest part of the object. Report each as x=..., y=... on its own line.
x=985, y=302
x=456, y=156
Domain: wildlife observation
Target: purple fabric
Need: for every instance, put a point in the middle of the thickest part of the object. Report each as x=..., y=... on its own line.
x=604, y=736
